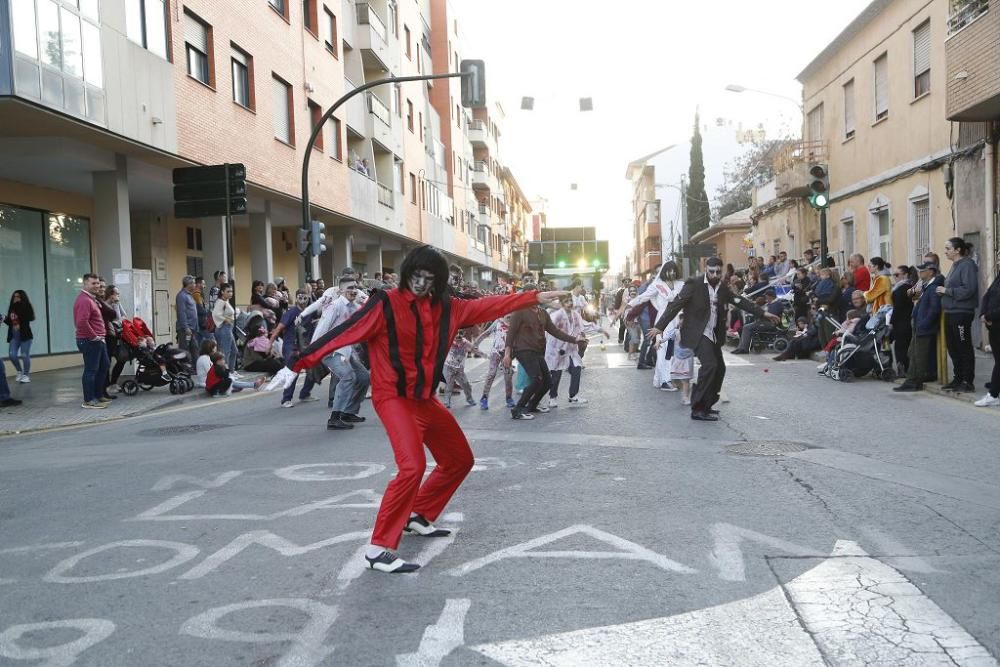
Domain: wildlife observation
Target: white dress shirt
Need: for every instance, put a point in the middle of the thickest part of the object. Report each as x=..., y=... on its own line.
x=713, y=313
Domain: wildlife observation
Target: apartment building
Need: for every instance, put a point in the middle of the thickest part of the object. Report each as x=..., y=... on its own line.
x=875, y=112
x=647, y=247
x=101, y=99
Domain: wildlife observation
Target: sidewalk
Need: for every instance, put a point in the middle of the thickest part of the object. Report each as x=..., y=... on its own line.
x=52, y=400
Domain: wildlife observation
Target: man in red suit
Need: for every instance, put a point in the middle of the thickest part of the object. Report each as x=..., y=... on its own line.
x=409, y=331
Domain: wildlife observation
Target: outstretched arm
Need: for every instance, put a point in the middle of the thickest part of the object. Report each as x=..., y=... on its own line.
x=361, y=326
x=474, y=311
x=675, y=307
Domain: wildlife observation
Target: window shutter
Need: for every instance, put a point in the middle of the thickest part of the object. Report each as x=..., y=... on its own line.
x=281, y=125
x=922, y=49
x=195, y=33
x=849, y=108
x=881, y=86
x=816, y=124
x=240, y=57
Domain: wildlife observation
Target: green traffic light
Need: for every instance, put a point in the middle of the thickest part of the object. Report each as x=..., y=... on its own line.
x=819, y=201
x=596, y=263
x=562, y=263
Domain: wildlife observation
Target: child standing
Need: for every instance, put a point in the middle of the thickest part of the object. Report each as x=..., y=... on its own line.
x=499, y=329
x=682, y=363
x=454, y=368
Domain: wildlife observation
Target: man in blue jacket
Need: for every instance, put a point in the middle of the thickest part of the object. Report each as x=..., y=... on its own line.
x=926, y=324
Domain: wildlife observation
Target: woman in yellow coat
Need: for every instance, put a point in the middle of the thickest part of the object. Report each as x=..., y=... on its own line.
x=880, y=293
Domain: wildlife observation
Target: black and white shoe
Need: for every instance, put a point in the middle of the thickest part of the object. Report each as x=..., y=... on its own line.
x=418, y=525
x=391, y=563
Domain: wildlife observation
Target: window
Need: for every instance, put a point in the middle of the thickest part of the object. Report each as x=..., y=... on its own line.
x=881, y=87
x=815, y=124
x=338, y=142
x=413, y=188
x=310, y=18
x=922, y=60
x=409, y=48
x=394, y=19
x=420, y=118
x=280, y=6
x=198, y=49
x=194, y=242
x=847, y=230
x=397, y=100
x=849, y=110
x=146, y=25
x=284, y=121
x=921, y=211
x=25, y=35
x=242, y=64
x=397, y=177
x=315, y=115
x=409, y=115
x=883, y=228
x=330, y=31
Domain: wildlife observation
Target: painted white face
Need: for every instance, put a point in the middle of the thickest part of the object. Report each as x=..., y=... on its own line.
x=714, y=274
x=421, y=283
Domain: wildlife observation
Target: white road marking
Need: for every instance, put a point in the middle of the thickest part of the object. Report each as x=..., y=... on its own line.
x=182, y=554
x=900, y=558
x=170, y=481
x=95, y=630
x=441, y=638
x=308, y=647
x=733, y=360
x=40, y=547
x=306, y=473
x=727, y=556
x=628, y=551
x=369, y=499
x=856, y=611
x=453, y=517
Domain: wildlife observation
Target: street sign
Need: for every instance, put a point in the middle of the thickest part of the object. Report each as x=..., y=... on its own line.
x=210, y=207
x=205, y=191
x=473, y=83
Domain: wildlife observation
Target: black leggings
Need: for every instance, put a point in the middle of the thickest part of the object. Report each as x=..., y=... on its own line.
x=537, y=370
x=958, y=338
x=995, y=344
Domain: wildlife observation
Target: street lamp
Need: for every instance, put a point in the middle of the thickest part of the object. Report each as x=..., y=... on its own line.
x=736, y=88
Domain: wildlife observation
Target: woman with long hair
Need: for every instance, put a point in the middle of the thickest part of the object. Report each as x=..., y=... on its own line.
x=19, y=317
x=959, y=300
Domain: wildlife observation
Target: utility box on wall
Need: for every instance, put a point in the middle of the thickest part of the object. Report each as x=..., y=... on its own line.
x=136, y=288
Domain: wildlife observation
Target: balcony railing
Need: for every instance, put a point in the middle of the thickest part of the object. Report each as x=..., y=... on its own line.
x=367, y=16
x=798, y=152
x=385, y=196
x=964, y=12
x=378, y=109
x=478, y=125
x=479, y=166
x=484, y=209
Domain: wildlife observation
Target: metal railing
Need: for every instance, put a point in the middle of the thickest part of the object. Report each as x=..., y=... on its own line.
x=479, y=166
x=484, y=209
x=379, y=109
x=385, y=196
x=800, y=151
x=367, y=16
x=478, y=125
x=964, y=12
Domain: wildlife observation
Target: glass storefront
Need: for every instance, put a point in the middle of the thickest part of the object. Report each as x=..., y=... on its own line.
x=46, y=255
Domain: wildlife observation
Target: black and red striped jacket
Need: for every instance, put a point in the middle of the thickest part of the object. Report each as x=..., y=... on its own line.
x=408, y=338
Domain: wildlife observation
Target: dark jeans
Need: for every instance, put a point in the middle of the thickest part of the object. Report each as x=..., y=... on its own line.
x=958, y=338
x=95, y=367
x=749, y=330
x=901, y=345
x=537, y=370
x=574, y=381
x=919, y=370
x=710, y=375
x=221, y=388
x=4, y=387
x=647, y=354
x=995, y=344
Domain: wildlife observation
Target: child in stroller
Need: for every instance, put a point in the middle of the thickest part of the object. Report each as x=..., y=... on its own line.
x=154, y=366
x=863, y=350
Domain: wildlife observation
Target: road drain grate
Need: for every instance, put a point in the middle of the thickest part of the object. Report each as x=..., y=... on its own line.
x=169, y=431
x=766, y=448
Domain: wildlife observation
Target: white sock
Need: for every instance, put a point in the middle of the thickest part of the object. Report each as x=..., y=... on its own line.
x=373, y=550
x=413, y=515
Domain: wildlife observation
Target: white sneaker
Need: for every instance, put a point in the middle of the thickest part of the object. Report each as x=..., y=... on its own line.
x=18, y=378
x=821, y=368
x=579, y=400
x=554, y=402
x=24, y=379
x=236, y=376
x=288, y=404
x=987, y=401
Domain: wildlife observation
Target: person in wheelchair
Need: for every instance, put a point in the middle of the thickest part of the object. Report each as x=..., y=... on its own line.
x=754, y=331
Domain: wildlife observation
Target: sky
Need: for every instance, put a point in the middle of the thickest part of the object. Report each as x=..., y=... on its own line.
x=647, y=64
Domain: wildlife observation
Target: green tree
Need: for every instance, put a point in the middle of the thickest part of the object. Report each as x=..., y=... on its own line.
x=750, y=170
x=698, y=210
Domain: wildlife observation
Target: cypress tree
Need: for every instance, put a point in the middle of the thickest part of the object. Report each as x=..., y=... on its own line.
x=699, y=212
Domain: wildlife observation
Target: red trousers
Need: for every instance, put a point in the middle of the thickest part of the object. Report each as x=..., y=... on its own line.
x=410, y=424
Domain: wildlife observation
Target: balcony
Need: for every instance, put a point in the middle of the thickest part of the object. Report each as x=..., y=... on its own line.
x=380, y=127
x=385, y=196
x=791, y=167
x=971, y=53
x=480, y=137
x=372, y=38
x=481, y=176
x=355, y=114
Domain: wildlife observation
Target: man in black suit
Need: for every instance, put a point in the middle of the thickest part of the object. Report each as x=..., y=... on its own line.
x=703, y=300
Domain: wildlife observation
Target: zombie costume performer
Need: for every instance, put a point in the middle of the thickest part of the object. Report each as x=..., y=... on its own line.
x=409, y=331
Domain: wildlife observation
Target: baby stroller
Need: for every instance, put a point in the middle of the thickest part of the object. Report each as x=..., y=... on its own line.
x=247, y=325
x=864, y=353
x=166, y=365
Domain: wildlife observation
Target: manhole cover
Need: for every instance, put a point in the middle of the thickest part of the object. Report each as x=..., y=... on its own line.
x=167, y=431
x=766, y=448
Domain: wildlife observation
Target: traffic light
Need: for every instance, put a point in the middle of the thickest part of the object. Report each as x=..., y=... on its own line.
x=317, y=238
x=303, y=237
x=473, y=83
x=819, y=186
x=202, y=191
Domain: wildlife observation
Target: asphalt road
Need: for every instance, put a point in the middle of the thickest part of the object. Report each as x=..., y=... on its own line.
x=616, y=533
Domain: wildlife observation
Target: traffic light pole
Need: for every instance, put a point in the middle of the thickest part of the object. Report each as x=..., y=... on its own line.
x=823, y=249
x=306, y=209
